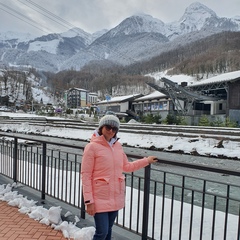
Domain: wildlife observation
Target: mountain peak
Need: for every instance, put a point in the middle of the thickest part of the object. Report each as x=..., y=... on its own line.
x=237, y=17
x=138, y=23
x=73, y=32
x=199, y=8
x=146, y=18
x=196, y=15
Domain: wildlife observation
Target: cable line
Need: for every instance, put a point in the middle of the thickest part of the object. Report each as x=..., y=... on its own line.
x=23, y=20
x=23, y=16
x=50, y=13
x=63, y=23
x=130, y=60
x=44, y=14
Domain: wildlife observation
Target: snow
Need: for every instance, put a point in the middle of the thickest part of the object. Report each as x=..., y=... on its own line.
x=70, y=230
x=196, y=15
x=17, y=93
x=220, y=78
x=74, y=32
x=175, y=78
x=149, y=23
x=49, y=46
x=21, y=37
x=42, y=94
x=71, y=33
x=138, y=23
x=192, y=80
x=152, y=95
x=119, y=98
x=204, y=146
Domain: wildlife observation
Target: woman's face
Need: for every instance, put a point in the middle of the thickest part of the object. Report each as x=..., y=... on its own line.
x=109, y=131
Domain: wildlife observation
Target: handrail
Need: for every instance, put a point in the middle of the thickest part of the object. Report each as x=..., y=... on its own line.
x=80, y=145
x=193, y=166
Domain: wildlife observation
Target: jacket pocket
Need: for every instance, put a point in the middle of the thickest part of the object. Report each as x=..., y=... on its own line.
x=101, y=188
x=122, y=184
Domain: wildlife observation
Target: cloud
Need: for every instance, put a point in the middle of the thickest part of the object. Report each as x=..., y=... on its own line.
x=95, y=15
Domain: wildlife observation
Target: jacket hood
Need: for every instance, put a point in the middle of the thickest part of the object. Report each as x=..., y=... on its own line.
x=101, y=139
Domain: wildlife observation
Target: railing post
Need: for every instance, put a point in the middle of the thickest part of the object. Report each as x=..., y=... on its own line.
x=44, y=155
x=83, y=212
x=238, y=223
x=146, y=202
x=15, y=161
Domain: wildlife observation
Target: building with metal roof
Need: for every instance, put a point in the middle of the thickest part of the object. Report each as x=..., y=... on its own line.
x=216, y=96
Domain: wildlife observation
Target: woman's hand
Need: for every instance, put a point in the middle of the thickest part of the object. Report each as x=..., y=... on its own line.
x=152, y=159
x=90, y=209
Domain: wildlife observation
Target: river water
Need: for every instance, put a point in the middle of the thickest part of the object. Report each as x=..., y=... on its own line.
x=225, y=188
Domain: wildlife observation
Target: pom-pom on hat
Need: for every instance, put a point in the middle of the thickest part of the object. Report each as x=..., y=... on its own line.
x=109, y=120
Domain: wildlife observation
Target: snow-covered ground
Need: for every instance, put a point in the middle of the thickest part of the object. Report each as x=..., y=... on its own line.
x=202, y=145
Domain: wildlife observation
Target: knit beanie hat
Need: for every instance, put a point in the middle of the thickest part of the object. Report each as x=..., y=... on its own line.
x=109, y=120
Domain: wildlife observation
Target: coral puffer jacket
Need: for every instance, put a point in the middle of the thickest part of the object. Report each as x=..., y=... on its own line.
x=102, y=174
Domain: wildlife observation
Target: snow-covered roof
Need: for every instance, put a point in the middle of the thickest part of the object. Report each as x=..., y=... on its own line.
x=153, y=95
x=79, y=89
x=225, y=77
x=230, y=76
x=93, y=93
x=120, y=98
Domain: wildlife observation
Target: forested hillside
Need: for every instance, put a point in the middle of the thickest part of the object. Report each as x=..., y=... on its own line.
x=216, y=54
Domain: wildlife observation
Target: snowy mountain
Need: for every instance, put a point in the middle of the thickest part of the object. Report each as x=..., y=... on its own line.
x=136, y=38
x=137, y=24
x=20, y=37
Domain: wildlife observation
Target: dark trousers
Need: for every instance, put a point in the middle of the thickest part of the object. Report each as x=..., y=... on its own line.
x=104, y=222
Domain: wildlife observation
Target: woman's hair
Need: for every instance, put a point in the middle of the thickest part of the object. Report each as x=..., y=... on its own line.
x=100, y=130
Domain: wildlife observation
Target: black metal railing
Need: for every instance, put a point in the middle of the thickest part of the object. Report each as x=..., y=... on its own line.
x=167, y=200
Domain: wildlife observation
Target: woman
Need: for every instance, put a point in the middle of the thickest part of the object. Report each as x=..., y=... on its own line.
x=103, y=164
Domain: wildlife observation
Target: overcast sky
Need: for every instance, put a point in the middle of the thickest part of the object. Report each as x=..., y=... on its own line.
x=45, y=16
